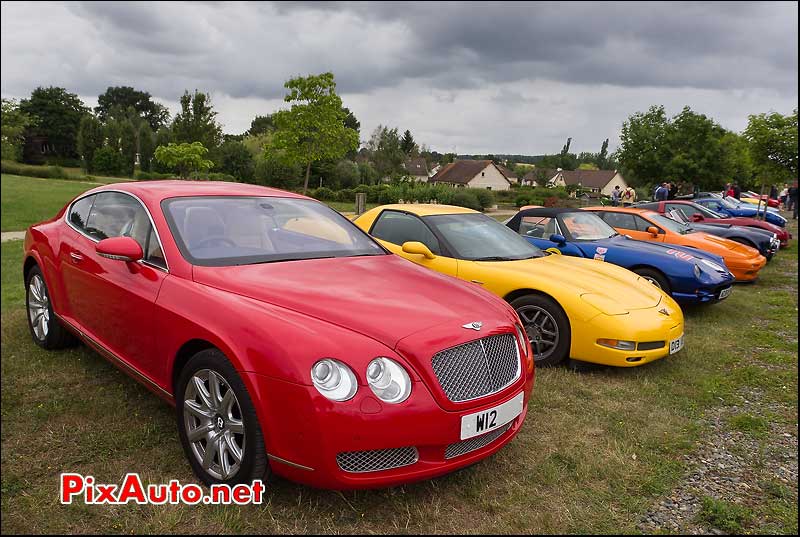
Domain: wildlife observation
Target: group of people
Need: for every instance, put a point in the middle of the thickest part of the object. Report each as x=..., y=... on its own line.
x=788, y=198
x=627, y=197
x=732, y=190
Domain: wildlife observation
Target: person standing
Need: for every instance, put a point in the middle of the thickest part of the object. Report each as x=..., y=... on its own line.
x=793, y=199
x=730, y=192
x=662, y=192
x=784, y=197
x=628, y=197
x=672, y=190
x=773, y=192
x=737, y=192
x=615, y=196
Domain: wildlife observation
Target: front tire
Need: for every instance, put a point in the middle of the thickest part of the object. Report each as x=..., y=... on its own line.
x=217, y=422
x=654, y=277
x=547, y=328
x=46, y=330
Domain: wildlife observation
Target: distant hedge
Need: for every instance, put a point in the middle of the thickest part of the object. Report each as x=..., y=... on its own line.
x=474, y=198
x=48, y=172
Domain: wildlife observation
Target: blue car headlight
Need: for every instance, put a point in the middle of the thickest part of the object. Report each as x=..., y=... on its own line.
x=697, y=271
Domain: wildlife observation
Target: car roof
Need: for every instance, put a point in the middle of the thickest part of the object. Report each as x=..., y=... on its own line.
x=154, y=192
x=425, y=209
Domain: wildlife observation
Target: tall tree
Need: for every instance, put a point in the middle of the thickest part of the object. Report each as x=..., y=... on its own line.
x=13, y=123
x=235, y=159
x=147, y=147
x=261, y=125
x=350, y=120
x=643, y=151
x=123, y=97
x=196, y=122
x=186, y=158
x=385, y=147
x=313, y=128
x=407, y=144
x=773, y=144
x=128, y=146
x=90, y=139
x=602, y=157
x=57, y=115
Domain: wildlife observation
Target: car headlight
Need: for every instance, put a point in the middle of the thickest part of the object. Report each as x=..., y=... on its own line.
x=620, y=344
x=713, y=266
x=523, y=339
x=334, y=380
x=697, y=271
x=388, y=380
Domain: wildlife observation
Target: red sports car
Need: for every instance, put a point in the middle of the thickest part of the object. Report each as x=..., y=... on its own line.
x=698, y=213
x=287, y=339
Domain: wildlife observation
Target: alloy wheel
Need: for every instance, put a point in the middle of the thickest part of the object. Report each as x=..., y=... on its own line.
x=214, y=426
x=38, y=307
x=541, y=328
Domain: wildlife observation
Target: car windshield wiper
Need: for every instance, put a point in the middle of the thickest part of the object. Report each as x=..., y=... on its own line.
x=496, y=258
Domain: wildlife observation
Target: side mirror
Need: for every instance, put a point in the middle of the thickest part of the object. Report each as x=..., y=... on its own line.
x=697, y=217
x=414, y=247
x=120, y=249
x=653, y=230
x=558, y=239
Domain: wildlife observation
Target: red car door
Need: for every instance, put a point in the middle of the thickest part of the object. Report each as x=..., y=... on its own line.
x=112, y=301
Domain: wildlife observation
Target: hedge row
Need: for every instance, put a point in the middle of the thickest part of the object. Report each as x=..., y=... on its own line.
x=474, y=198
x=48, y=172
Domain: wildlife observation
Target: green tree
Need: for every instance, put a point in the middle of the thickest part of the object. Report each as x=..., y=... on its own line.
x=261, y=125
x=163, y=137
x=185, y=158
x=128, y=146
x=773, y=144
x=196, y=122
x=643, y=151
x=147, y=147
x=736, y=160
x=90, y=139
x=235, y=159
x=313, y=128
x=124, y=97
x=57, y=115
x=407, y=144
x=13, y=123
x=350, y=120
x=385, y=148
x=602, y=157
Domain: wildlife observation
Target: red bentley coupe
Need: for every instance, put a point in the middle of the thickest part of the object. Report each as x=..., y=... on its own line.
x=287, y=339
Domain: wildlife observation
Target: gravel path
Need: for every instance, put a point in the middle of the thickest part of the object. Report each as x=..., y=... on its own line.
x=728, y=465
x=12, y=236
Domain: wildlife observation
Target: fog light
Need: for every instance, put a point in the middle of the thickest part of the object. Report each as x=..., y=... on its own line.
x=620, y=344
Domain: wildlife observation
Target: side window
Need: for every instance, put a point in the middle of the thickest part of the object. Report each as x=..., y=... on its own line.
x=642, y=224
x=79, y=212
x=115, y=214
x=398, y=228
x=688, y=210
x=620, y=220
x=540, y=227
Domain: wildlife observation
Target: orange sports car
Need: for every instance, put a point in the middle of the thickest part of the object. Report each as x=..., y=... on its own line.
x=744, y=262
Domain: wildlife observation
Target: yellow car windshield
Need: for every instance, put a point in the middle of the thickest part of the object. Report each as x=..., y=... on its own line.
x=476, y=237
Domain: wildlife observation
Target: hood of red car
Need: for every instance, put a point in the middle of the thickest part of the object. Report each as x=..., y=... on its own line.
x=383, y=297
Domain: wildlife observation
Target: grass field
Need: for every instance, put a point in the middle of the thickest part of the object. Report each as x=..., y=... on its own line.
x=597, y=450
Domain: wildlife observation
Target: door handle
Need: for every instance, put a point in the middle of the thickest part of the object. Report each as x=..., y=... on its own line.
x=76, y=257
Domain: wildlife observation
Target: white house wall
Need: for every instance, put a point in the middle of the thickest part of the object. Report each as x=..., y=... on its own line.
x=490, y=177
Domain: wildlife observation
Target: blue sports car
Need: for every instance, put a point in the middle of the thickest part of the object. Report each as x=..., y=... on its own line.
x=733, y=208
x=691, y=276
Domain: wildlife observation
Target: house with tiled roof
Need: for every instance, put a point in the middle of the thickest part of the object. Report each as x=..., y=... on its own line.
x=417, y=169
x=507, y=173
x=597, y=181
x=472, y=174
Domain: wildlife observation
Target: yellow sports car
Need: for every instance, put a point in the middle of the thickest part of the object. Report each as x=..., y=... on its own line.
x=570, y=307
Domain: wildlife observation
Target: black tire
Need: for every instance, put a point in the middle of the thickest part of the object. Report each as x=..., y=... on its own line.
x=656, y=278
x=254, y=464
x=526, y=307
x=53, y=335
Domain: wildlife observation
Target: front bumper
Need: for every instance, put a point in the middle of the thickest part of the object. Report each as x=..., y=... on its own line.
x=304, y=432
x=643, y=326
x=748, y=270
x=702, y=295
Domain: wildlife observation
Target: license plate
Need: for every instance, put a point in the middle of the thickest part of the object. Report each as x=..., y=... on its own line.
x=675, y=345
x=488, y=420
x=725, y=292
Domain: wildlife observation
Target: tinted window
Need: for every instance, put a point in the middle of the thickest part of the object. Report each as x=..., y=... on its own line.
x=118, y=215
x=540, y=227
x=397, y=228
x=688, y=210
x=79, y=212
x=620, y=220
x=641, y=223
x=240, y=230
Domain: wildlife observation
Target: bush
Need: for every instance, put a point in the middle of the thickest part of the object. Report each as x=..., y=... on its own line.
x=47, y=172
x=107, y=161
x=66, y=162
x=522, y=201
x=466, y=199
x=346, y=194
x=151, y=176
x=324, y=193
x=211, y=176
x=485, y=197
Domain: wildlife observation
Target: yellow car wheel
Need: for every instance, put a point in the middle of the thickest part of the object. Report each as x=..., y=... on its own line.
x=546, y=326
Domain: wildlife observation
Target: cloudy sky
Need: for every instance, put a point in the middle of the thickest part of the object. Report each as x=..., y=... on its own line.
x=471, y=78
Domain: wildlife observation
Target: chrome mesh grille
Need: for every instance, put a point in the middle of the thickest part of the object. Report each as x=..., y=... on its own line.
x=377, y=459
x=477, y=368
x=476, y=442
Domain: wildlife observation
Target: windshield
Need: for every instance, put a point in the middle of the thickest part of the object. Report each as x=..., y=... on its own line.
x=583, y=226
x=730, y=203
x=240, y=230
x=476, y=237
x=707, y=212
x=670, y=224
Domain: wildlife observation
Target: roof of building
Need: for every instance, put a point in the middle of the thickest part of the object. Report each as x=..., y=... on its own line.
x=507, y=173
x=461, y=171
x=416, y=166
x=588, y=178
